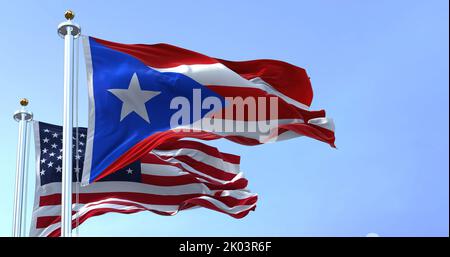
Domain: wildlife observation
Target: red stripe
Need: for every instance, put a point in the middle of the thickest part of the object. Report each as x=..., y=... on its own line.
x=284, y=109
x=311, y=130
x=286, y=78
x=237, y=184
x=45, y=221
x=159, y=55
x=190, y=179
x=290, y=80
x=151, y=158
x=85, y=198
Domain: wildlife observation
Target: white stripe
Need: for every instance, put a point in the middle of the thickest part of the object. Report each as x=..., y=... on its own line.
x=166, y=171
x=37, y=173
x=326, y=123
x=240, y=127
x=201, y=157
x=91, y=119
x=161, y=170
x=233, y=210
x=218, y=74
x=237, y=194
x=132, y=187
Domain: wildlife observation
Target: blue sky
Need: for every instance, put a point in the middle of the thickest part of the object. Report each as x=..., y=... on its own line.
x=379, y=68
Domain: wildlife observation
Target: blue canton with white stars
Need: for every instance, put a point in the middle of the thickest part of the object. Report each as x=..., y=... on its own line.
x=50, y=158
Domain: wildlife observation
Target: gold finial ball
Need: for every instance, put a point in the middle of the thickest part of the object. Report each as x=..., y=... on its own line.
x=69, y=15
x=24, y=102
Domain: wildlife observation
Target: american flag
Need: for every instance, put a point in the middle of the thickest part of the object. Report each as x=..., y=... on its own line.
x=176, y=176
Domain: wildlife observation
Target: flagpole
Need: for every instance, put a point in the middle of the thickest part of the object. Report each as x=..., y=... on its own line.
x=69, y=31
x=23, y=117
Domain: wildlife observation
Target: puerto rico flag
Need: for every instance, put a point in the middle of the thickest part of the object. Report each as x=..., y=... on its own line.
x=141, y=96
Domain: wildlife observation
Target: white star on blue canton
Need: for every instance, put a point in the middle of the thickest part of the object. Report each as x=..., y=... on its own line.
x=134, y=99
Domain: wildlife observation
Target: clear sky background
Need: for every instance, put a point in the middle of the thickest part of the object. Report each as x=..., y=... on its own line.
x=379, y=68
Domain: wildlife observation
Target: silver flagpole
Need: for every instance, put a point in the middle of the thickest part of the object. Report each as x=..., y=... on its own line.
x=23, y=117
x=69, y=31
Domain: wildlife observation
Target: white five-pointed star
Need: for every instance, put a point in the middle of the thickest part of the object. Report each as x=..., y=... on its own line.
x=58, y=169
x=42, y=172
x=46, y=140
x=134, y=99
x=129, y=171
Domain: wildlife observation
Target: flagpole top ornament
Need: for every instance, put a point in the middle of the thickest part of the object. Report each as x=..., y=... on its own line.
x=68, y=26
x=69, y=15
x=22, y=113
x=24, y=102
